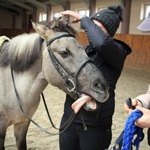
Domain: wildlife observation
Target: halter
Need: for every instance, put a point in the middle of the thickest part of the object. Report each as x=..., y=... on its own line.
x=70, y=84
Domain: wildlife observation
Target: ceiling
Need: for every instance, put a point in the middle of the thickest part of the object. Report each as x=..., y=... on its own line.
x=14, y=7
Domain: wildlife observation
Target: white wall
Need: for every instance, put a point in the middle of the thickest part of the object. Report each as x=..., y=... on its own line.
x=75, y=6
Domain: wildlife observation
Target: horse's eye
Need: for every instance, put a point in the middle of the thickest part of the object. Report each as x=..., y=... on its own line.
x=64, y=54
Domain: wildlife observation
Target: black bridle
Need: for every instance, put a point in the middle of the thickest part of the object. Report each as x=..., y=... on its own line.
x=70, y=84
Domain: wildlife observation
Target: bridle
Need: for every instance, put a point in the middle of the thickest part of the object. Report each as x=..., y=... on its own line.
x=70, y=84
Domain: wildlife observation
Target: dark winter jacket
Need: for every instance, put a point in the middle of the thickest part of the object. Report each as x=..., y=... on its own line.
x=109, y=55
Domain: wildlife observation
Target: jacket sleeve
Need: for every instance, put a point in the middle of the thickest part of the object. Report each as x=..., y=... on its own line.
x=112, y=52
x=145, y=99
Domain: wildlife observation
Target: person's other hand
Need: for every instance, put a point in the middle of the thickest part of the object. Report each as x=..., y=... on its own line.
x=77, y=17
x=134, y=103
x=144, y=121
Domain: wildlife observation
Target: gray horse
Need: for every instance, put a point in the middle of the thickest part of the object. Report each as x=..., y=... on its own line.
x=29, y=62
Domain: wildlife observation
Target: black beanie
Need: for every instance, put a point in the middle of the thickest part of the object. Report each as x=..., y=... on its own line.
x=110, y=18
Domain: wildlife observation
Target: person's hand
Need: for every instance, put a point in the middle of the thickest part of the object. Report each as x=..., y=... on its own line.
x=144, y=121
x=77, y=17
x=134, y=103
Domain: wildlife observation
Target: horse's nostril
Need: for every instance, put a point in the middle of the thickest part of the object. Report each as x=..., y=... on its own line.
x=99, y=87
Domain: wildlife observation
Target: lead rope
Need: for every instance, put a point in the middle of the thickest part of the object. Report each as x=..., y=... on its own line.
x=131, y=130
x=125, y=139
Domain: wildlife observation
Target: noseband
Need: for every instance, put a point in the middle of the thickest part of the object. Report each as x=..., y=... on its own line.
x=70, y=84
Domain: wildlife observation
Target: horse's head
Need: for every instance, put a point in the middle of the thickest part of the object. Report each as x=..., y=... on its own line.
x=67, y=66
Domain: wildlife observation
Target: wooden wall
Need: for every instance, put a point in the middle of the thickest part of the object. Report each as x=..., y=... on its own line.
x=140, y=44
x=140, y=56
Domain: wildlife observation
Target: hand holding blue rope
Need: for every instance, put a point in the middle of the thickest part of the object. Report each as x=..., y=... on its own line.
x=125, y=140
x=131, y=130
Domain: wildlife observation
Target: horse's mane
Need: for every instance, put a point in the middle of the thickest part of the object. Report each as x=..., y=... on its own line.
x=23, y=50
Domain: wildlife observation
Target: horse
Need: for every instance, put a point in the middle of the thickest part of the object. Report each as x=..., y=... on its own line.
x=31, y=61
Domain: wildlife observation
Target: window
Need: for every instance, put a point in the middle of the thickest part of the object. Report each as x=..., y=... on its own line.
x=42, y=17
x=84, y=12
x=56, y=15
x=145, y=10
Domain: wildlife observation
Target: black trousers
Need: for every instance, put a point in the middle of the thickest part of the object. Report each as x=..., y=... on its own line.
x=76, y=138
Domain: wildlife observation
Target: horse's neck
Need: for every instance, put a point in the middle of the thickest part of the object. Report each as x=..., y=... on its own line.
x=32, y=80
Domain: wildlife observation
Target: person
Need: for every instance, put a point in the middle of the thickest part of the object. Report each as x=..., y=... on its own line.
x=145, y=25
x=142, y=102
x=91, y=130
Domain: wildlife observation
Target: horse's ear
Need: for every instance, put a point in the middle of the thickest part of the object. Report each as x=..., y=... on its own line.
x=42, y=30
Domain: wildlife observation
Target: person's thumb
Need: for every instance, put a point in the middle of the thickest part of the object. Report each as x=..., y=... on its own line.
x=140, y=108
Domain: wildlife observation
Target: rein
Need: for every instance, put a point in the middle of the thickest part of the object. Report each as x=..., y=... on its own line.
x=71, y=86
x=65, y=125
x=62, y=129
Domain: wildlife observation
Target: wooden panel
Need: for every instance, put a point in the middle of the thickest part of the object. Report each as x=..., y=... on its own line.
x=12, y=32
x=146, y=43
x=146, y=49
x=127, y=38
x=140, y=59
x=117, y=36
x=81, y=36
x=137, y=42
x=129, y=59
x=136, y=49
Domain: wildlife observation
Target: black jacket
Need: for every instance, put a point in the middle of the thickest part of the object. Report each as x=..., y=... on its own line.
x=109, y=55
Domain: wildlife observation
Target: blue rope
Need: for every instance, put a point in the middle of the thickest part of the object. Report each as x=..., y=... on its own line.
x=131, y=130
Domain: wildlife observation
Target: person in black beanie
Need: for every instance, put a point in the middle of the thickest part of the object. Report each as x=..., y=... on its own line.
x=91, y=130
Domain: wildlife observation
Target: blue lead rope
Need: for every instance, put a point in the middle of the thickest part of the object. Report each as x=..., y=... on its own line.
x=131, y=130
x=127, y=139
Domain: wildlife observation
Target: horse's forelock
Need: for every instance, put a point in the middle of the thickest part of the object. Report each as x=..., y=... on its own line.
x=61, y=24
x=23, y=51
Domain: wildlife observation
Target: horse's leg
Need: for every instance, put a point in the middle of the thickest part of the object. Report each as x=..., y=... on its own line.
x=20, y=131
x=3, y=128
